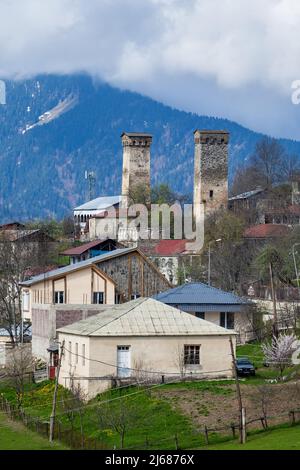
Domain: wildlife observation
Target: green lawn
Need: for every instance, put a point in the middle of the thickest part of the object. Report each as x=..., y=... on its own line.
x=278, y=439
x=14, y=436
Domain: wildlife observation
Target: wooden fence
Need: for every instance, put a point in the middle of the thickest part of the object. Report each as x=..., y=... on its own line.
x=75, y=440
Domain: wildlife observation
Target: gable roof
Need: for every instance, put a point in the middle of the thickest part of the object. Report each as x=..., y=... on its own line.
x=200, y=295
x=136, y=134
x=77, y=266
x=170, y=247
x=79, y=250
x=266, y=231
x=100, y=203
x=143, y=317
x=90, y=262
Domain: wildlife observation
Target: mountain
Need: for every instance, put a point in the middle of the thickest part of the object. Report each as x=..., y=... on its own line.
x=54, y=128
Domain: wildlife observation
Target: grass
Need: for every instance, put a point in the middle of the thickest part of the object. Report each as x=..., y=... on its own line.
x=253, y=351
x=14, y=436
x=278, y=439
x=151, y=417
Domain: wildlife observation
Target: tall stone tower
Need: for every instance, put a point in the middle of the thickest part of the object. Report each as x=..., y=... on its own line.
x=211, y=171
x=136, y=164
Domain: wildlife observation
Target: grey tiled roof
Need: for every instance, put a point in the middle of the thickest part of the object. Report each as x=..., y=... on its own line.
x=144, y=317
x=198, y=295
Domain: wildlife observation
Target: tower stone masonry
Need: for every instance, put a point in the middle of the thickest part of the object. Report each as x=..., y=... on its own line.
x=136, y=164
x=211, y=171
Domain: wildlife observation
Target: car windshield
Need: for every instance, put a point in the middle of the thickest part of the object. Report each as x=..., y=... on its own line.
x=243, y=361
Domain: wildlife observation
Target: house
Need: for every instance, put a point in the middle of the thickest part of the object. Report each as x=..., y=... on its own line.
x=12, y=226
x=142, y=340
x=166, y=255
x=90, y=250
x=276, y=205
x=114, y=277
x=214, y=305
x=83, y=213
x=265, y=232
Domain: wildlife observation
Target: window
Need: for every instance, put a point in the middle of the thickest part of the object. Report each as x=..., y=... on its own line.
x=98, y=298
x=191, y=354
x=135, y=296
x=70, y=353
x=26, y=301
x=200, y=315
x=83, y=354
x=211, y=194
x=227, y=320
x=76, y=353
x=59, y=297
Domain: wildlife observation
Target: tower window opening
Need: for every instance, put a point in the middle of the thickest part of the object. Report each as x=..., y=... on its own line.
x=211, y=194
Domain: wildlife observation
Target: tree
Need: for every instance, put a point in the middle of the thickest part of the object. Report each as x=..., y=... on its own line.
x=278, y=352
x=264, y=398
x=268, y=159
x=73, y=404
x=247, y=178
x=119, y=417
x=163, y=194
x=15, y=260
x=19, y=368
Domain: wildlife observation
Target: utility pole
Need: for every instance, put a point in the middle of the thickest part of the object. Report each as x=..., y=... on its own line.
x=52, y=417
x=275, y=321
x=242, y=411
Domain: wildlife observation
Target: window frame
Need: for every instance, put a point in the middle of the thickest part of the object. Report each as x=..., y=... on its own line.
x=58, y=296
x=96, y=297
x=192, y=355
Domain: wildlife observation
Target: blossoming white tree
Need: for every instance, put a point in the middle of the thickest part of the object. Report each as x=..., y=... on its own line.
x=279, y=352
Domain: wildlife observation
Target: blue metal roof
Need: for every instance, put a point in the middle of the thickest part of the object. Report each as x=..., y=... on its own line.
x=201, y=297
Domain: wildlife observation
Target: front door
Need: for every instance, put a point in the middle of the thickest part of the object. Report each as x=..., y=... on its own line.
x=123, y=361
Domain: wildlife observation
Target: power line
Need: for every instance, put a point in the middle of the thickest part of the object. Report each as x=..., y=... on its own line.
x=135, y=369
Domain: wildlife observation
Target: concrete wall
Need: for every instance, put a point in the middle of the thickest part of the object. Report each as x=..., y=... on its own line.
x=159, y=354
x=46, y=319
x=243, y=323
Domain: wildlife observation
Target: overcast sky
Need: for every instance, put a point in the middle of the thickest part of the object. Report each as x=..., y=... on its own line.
x=228, y=58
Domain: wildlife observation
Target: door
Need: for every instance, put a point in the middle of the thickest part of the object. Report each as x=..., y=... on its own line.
x=123, y=361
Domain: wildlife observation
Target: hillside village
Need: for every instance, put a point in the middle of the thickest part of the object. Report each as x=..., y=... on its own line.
x=98, y=302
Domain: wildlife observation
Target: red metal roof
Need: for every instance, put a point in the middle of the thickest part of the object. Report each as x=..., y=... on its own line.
x=79, y=250
x=170, y=247
x=266, y=231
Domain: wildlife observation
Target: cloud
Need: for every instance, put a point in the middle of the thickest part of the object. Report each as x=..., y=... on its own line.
x=235, y=45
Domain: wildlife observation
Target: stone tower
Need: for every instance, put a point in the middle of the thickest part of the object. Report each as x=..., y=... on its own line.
x=211, y=171
x=136, y=164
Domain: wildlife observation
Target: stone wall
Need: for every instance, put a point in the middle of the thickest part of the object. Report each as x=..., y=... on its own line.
x=211, y=170
x=136, y=164
x=134, y=275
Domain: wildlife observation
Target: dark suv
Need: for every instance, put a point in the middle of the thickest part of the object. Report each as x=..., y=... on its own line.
x=244, y=366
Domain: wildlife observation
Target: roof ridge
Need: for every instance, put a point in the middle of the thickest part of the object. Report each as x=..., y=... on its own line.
x=136, y=303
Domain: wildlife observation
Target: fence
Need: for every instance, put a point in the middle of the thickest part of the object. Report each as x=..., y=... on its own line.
x=75, y=440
